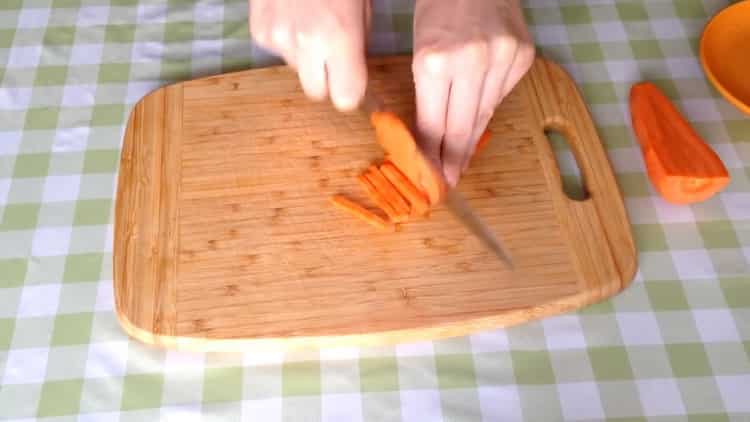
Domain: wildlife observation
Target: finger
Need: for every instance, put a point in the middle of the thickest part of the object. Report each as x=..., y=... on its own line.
x=283, y=42
x=522, y=61
x=347, y=75
x=311, y=68
x=259, y=16
x=490, y=97
x=432, y=87
x=463, y=104
x=492, y=94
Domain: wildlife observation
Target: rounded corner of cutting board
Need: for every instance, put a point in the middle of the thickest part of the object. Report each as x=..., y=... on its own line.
x=130, y=328
x=630, y=268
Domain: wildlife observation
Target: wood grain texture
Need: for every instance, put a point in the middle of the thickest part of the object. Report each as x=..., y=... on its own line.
x=225, y=238
x=146, y=215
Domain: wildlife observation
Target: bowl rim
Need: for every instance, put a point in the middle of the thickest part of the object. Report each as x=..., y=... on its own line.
x=712, y=77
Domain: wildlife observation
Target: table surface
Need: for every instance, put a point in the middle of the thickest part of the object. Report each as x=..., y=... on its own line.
x=675, y=343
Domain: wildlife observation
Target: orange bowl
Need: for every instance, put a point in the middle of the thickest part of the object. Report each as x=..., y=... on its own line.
x=725, y=53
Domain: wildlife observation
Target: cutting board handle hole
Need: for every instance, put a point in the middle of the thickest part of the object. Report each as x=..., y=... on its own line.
x=570, y=172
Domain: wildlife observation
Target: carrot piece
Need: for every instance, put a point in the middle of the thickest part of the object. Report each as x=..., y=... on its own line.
x=361, y=212
x=483, y=140
x=385, y=187
x=400, y=147
x=378, y=198
x=680, y=165
x=417, y=199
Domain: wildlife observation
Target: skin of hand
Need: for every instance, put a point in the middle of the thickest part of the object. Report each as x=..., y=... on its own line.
x=324, y=40
x=468, y=55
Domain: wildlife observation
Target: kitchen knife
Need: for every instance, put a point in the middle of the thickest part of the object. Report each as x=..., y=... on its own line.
x=461, y=209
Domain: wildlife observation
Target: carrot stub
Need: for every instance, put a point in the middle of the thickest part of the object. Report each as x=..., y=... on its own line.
x=361, y=212
x=679, y=163
x=416, y=198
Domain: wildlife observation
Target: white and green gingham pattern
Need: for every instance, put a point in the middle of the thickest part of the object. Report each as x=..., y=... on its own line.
x=674, y=346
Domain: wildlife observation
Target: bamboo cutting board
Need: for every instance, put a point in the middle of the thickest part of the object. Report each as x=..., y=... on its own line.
x=225, y=239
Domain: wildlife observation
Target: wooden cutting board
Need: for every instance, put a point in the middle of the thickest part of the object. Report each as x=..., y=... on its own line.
x=225, y=239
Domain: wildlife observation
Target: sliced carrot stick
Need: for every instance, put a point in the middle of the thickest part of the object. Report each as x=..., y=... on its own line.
x=378, y=198
x=387, y=189
x=399, y=146
x=417, y=199
x=361, y=212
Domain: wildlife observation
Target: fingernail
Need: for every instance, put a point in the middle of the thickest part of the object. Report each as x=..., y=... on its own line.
x=345, y=102
x=316, y=95
x=451, y=177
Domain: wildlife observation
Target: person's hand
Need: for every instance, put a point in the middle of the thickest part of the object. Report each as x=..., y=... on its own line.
x=324, y=40
x=468, y=55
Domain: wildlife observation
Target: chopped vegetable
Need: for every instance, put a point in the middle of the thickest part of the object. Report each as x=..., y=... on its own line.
x=361, y=212
x=378, y=198
x=391, y=194
x=680, y=165
x=401, y=149
x=417, y=200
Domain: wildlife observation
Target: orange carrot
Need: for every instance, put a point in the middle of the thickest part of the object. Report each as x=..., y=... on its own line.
x=483, y=140
x=378, y=198
x=400, y=148
x=385, y=187
x=679, y=163
x=417, y=199
x=361, y=212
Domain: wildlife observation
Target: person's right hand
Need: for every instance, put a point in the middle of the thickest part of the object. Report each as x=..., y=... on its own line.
x=324, y=40
x=468, y=56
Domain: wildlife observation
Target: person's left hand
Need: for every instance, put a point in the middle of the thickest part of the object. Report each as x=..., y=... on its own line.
x=468, y=55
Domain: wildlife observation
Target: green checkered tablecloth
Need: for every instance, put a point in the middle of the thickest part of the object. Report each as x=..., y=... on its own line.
x=672, y=347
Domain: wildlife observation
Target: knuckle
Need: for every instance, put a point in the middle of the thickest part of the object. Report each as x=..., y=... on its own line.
x=308, y=38
x=323, y=38
x=505, y=46
x=431, y=61
x=260, y=37
x=259, y=33
x=330, y=27
x=281, y=36
x=337, y=33
x=476, y=53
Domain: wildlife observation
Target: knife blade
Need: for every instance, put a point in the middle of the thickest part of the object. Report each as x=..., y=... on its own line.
x=461, y=209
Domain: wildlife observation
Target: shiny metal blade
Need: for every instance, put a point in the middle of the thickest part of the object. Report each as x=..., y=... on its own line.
x=463, y=212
